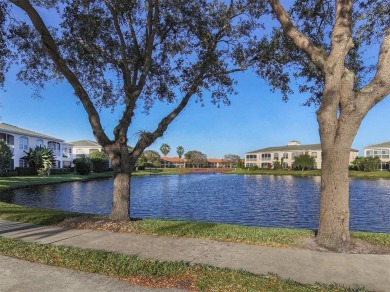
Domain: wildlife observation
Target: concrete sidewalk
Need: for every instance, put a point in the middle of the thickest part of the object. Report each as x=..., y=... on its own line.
x=23, y=276
x=305, y=266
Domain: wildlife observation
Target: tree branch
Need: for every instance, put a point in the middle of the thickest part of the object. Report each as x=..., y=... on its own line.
x=379, y=87
x=317, y=55
x=52, y=50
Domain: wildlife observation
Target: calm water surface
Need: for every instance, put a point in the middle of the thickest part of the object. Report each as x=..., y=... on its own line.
x=273, y=201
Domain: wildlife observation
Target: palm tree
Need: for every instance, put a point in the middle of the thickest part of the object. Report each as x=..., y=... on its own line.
x=41, y=158
x=180, y=151
x=165, y=148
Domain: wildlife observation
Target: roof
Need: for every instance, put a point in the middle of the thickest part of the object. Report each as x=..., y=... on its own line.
x=289, y=148
x=85, y=143
x=173, y=159
x=384, y=144
x=20, y=131
x=215, y=160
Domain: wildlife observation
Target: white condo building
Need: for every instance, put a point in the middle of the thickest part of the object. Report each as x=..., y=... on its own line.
x=20, y=140
x=264, y=158
x=382, y=151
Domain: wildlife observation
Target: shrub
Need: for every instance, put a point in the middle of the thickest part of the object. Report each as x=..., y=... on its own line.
x=99, y=161
x=25, y=171
x=59, y=171
x=5, y=157
x=83, y=165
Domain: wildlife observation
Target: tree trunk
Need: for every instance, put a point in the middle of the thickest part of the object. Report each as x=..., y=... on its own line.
x=121, y=189
x=333, y=227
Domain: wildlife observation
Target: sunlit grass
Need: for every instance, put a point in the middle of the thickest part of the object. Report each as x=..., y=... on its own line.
x=153, y=272
x=17, y=182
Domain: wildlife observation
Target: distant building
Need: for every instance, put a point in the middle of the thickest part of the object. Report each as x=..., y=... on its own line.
x=215, y=162
x=85, y=148
x=382, y=151
x=264, y=158
x=181, y=162
x=20, y=140
x=173, y=162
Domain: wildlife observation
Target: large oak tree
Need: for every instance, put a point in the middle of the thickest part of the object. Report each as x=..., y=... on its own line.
x=326, y=45
x=127, y=54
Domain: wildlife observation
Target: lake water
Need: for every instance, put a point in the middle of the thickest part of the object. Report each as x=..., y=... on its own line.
x=252, y=200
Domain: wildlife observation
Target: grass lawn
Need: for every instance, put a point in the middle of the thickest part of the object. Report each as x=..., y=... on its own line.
x=154, y=273
x=17, y=182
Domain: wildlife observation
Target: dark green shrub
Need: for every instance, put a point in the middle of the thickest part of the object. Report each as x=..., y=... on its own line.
x=99, y=161
x=24, y=171
x=83, y=165
x=5, y=157
x=59, y=171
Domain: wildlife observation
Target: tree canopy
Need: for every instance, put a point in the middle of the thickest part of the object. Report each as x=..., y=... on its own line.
x=195, y=158
x=128, y=55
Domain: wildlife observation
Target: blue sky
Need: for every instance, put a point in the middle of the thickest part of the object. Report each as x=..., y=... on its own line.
x=256, y=118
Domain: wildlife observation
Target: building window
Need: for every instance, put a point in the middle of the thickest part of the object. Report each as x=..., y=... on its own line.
x=276, y=156
x=251, y=157
x=370, y=153
x=40, y=143
x=266, y=165
x=23, y=162
x=314, y=154
x=93, y=150
x=23, y=143
x=266, y=156
x=285, y=155
x=79, y=153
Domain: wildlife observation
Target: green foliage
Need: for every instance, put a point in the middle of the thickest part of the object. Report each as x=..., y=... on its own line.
x=41, y=159
x=304, y=161
x=151, y=159
x=277, y=165
x=99, y=161
x=83, y=165
x=165, y=148
x=366, y=163
x=231, y=160
x=25, y=171
x=5, y=158
x=195, y=158
x=180, y=151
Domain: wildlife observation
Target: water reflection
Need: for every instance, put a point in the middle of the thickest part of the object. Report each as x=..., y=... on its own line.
x=274, y=201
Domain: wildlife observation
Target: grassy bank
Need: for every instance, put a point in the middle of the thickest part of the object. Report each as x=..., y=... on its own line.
x=17, y=182
x=277, y=237
x=317, y=172
x=151, y=272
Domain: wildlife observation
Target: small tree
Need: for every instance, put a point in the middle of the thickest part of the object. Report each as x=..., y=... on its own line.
x=83, y=165
x=231, y=160
x=99, y=161
x=358, y=163
x=180, y=151
x=5, y=157
x=366, y=163
x=277, y=165
x=152, y=158
x=371, y=163
x=196, y=158
x=304, y=161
